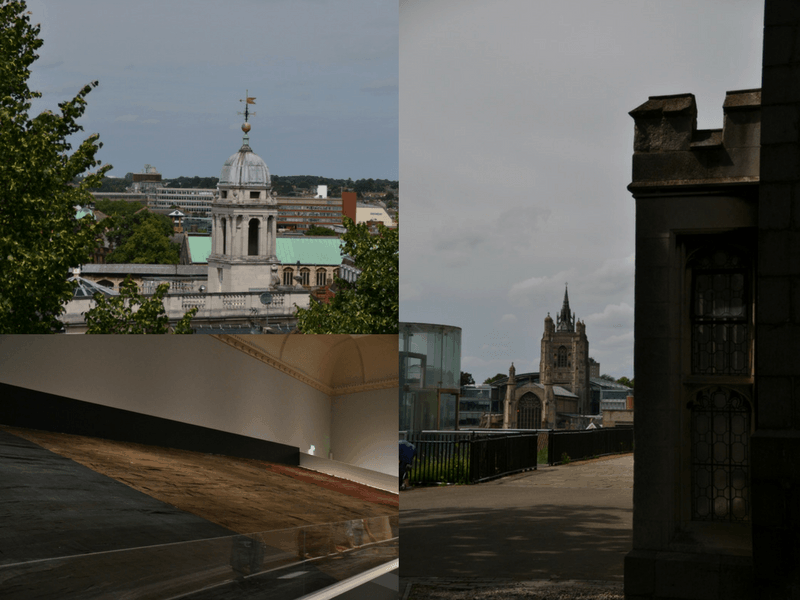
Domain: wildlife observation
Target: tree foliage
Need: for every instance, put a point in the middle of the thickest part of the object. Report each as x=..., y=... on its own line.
x=466, y=378
x=139, y=236
x=317, y=230
x=131, y=312
x=371, y=305
x=495, y=378
x=625, y=381
x=40, y=238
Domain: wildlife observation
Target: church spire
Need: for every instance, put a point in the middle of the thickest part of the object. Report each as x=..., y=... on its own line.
x=566, y=320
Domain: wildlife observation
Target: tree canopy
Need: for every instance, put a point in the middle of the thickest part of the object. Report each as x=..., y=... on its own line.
x=371, y=305
x=466, y=378
x=495, y=378
x=40, y=237
x=318, y=230
x=131, y=312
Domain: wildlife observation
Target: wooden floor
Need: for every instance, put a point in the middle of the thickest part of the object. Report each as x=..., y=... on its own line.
x=242, y=495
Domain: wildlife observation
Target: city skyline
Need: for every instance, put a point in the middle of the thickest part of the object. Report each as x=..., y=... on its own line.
x=324, y=75
x=516, y=150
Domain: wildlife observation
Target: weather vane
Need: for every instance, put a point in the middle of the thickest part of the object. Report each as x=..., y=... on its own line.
x=248, y=100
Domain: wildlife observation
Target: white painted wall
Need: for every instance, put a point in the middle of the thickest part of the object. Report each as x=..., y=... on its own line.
x=364, y=430
x=194, y=379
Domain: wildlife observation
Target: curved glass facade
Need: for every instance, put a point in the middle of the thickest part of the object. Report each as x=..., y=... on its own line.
x=430, y=376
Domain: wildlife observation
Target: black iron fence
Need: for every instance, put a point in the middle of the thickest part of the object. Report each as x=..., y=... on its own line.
x=564, y=446
x=469, y=457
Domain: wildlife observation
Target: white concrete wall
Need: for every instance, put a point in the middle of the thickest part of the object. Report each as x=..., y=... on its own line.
x=364, y=430
x=194, y=379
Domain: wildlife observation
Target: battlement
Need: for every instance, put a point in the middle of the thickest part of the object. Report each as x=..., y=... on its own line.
x=670, y=150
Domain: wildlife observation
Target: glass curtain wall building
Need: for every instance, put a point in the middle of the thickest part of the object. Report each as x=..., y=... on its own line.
x=430, y=376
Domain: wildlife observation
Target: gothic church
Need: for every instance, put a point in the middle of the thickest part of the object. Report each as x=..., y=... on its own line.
x=552, y=398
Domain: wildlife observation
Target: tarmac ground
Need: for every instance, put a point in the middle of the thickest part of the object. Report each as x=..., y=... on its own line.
x=557, y=532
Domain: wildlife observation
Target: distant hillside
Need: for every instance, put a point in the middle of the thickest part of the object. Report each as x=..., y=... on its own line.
x=283, y=185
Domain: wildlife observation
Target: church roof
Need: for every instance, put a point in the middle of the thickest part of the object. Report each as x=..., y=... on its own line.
x=245, y=169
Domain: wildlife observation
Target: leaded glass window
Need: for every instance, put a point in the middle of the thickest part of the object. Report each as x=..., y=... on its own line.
x=720, y=309
x=720, y=456
x=562, y=357
x=530, y=412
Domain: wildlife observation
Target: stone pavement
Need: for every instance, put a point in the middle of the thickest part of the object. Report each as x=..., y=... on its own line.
x=568, y=522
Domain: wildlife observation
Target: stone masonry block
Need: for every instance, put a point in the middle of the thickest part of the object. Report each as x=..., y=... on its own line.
x=781, y=84
x=653, y=251
x=779, y=124
x=640, y=573
x=775, y=205
x=781, y=13
x=773, y=250
x=795, y=283
x=774, y=345
x=774, y=402
x=774, y=300
x=692, y=576
x=652, y=284
x=736, y=578
x=779, y=45
x=780, y=162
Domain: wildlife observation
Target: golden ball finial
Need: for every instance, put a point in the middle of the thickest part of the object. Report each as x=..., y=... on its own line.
x=245, y=127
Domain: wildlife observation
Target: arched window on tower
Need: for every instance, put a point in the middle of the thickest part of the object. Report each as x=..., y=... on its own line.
x=252, y=237
x=562, y=356
x=720, y=456
x=224, y=226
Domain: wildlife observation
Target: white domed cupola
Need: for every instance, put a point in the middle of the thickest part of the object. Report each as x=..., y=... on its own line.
x=244, y=223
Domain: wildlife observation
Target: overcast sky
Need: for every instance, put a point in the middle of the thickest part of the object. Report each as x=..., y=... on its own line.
x=515, y=155
x=171, y=73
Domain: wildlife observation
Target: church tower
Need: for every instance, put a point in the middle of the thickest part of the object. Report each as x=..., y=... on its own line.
x=565, y=359
x=244, y=224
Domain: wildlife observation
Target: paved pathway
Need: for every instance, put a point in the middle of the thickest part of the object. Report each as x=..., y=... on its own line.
x=558, y=523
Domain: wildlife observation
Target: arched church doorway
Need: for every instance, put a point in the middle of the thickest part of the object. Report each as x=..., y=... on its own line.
x=530, y=412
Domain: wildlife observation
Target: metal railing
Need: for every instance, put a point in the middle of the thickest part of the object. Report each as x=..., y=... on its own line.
x=588, y=444
x=469, y=457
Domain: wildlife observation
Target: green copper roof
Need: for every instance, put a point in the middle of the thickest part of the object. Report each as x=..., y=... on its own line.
x=309, y=251
x=199, y=248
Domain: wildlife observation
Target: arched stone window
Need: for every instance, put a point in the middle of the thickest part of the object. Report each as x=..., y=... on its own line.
x=562, y=356
x=252, y=237
x=288, y=274
x=106, y=283
x=720, y=312
x=720, y=456
x=529, y=412
x=224, y=226
x=322, y=277
x=305, y=276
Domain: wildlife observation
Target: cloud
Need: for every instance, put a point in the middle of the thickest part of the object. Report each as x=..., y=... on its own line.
x=508, y=318
x=409, y=291
x=127, y=118
x=613, y=315
x=150, y=121
x=457, y=243
x=385, y=87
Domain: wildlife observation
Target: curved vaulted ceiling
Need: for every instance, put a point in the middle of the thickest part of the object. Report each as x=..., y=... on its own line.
x=334, y=364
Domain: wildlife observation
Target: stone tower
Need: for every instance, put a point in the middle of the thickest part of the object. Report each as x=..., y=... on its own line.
x=565, y=359
x=244, y=225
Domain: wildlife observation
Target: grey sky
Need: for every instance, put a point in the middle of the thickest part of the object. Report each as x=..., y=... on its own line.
x=171, y=73
x=515, y=153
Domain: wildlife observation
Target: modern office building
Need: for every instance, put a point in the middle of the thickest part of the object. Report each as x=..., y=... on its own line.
x=430, y=376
